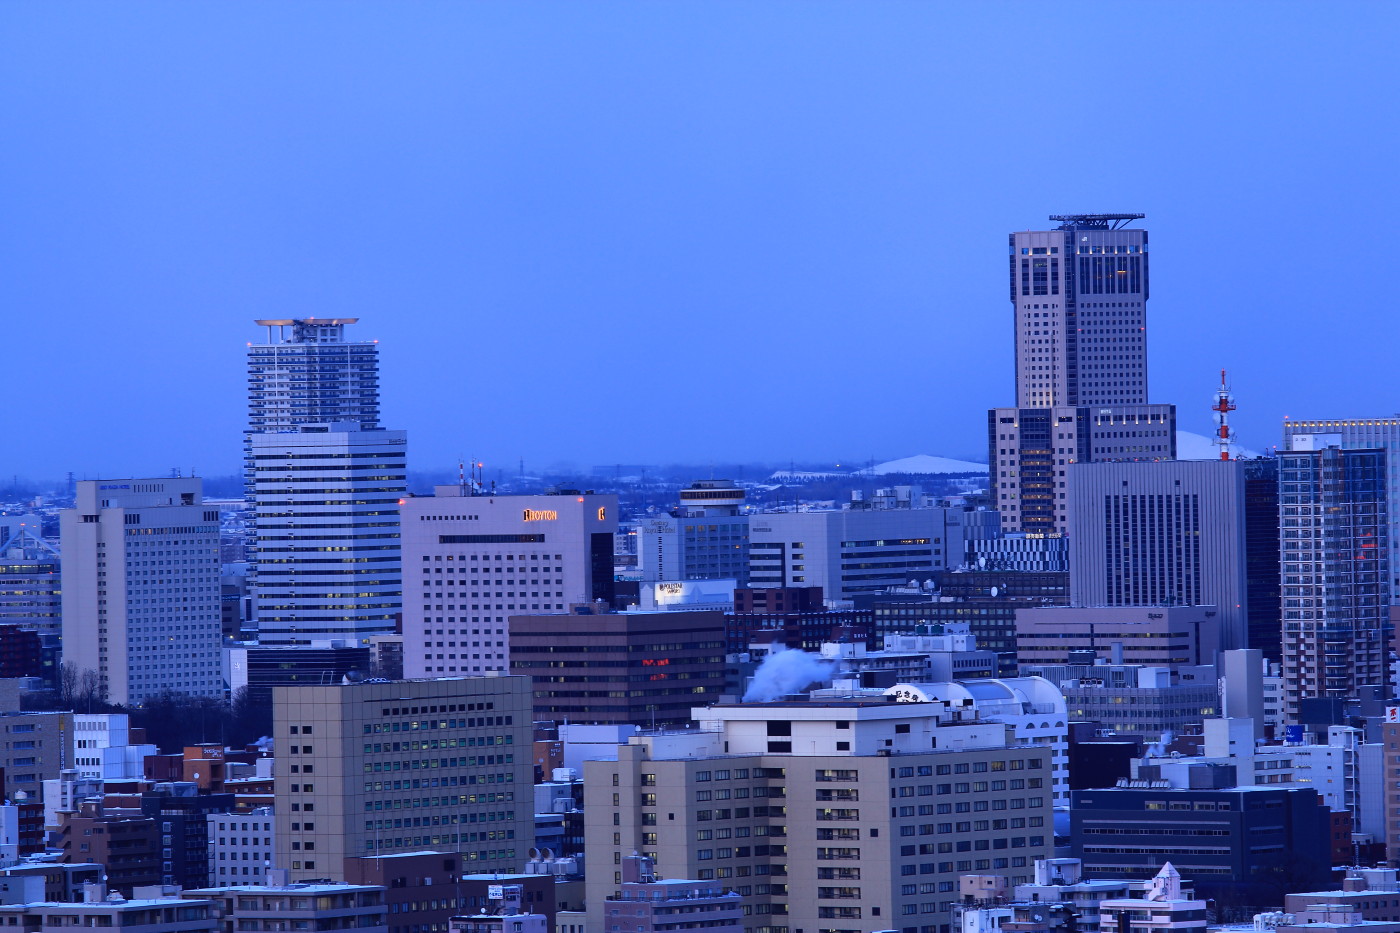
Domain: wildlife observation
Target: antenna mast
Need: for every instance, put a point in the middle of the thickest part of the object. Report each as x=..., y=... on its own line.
x=1224, y=404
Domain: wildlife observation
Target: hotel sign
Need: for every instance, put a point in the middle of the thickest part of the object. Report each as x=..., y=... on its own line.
x=541, y=515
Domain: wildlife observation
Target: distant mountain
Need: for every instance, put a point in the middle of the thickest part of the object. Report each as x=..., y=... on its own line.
x=1190, y=446
x=923, y=463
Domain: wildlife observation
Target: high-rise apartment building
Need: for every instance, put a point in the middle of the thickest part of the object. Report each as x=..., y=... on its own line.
x=839, y=814
x=1360, y=434
x=1180, y=533
x=403, y=766
x=141, y=587
x=1335, y=550
x=308, y=373
x=473, y=561
x=325, y=482
x=29, y=576
x=326, y=499
x=1079, y=297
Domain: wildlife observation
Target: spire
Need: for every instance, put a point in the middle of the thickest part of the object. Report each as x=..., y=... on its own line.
x=1165, y=885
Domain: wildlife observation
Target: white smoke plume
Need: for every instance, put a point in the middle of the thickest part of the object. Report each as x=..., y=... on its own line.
x=787, y=671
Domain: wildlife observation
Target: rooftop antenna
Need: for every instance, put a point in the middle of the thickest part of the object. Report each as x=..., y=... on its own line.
x=461, y=476
x=1224, y=404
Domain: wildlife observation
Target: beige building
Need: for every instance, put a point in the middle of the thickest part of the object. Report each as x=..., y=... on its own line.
x=401, y=766
x=471, y=562
x=35, y=748
x=141, y=587
x=843, y=814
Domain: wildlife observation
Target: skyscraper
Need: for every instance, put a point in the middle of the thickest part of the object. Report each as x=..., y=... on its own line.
x=1079, y=297
x=308, y=373
x=141, y=587
x=1180, y=533
x=1357, y=434
x=325, y=480
x=326, y=504
x=1333, y=532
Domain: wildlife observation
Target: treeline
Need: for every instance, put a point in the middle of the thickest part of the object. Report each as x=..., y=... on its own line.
x=171, y=720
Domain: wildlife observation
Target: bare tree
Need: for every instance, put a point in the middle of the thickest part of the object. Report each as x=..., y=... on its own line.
x=68, y=679
x=92, y=695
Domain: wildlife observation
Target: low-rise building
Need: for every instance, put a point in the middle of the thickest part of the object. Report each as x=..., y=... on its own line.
x=1163, y=908
x=647, y=904
x=1135, y=699
x=283, y=906
x=153, y=912
x=242, y=847
x=1163, y=636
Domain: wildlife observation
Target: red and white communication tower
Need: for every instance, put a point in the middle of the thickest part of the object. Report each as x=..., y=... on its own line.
x=1224, y=404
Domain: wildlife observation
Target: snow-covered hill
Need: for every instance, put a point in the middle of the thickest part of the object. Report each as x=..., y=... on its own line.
x=1191, y=446
x=924, y=463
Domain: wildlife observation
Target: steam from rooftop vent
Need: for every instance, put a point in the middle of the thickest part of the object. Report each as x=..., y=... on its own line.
x=787, y=671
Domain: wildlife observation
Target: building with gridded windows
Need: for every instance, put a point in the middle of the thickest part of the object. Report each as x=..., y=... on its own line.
x=1334, y=541
x=1079, y=297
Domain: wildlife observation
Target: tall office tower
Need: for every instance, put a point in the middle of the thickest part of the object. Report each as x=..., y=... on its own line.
x=474, y=561
x=851, y=552
x=706, y=538
x=29, y=575
x=1335, y=559
x=839, y=814
x=308, y=373
x=1079, y=298
x=1180, y=533
x=141, y=587
x=1360, y=434
x=403, y=766
x=326, y=503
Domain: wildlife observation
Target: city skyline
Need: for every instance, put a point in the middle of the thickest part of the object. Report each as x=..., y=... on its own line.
x=573, y=218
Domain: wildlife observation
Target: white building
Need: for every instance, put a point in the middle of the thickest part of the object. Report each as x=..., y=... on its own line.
x=850, y=552
x=241, y=847
x=326, y=554
x=141, y=587
x=1162, y=908
x=102, y=748
x=472, y=561
x=1033, y=707
x=1331, y=769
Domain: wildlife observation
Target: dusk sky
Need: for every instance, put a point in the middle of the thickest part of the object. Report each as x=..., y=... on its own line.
x=654, y=232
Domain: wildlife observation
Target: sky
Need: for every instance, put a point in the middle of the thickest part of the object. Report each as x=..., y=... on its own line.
x=595, y=233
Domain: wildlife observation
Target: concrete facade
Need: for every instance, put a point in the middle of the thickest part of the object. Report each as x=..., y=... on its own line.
x=838, y=814
x=850, y=552
x=1175, y=533
x=379, y=768
x=473, y=561
x=1164, y=636
x=241, y=847
x=644, y=668
x=141, y=588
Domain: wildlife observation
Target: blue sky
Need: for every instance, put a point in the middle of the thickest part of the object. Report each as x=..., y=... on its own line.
x=655, y=232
